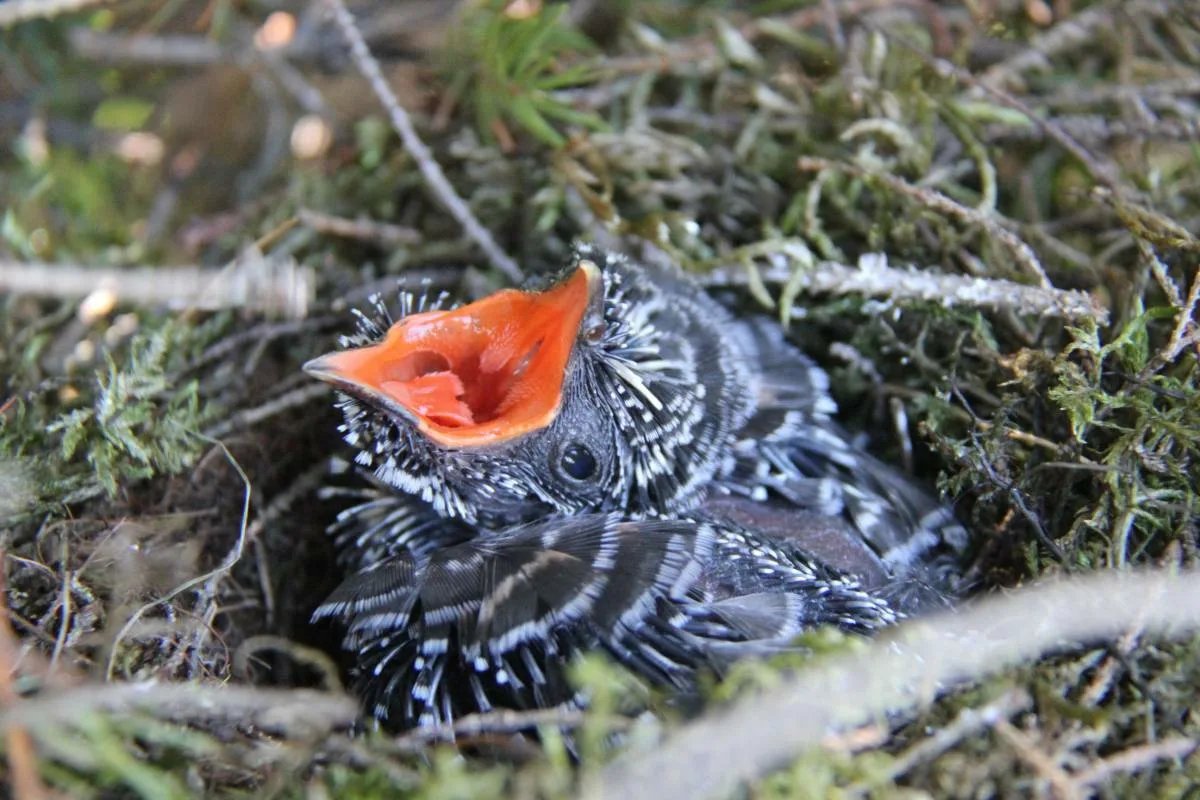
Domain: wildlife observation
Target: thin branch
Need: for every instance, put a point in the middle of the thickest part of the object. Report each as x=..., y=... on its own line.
x=435, y=179
x=253, y=281
x=873, y=277
x=294, y=711
x=1134, y=759
x=177, y=50
x=968, y=722
x=366, y=230
x=318, y=660
x=248, y=418
x=1045, y=766
x=503, y=721
x=1103, y=172
x=1097, y=128
x=750, y=739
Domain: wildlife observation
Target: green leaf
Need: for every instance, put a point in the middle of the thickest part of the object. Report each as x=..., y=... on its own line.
x=122, y=113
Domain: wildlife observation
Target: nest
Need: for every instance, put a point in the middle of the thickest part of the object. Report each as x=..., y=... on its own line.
x=978, y=218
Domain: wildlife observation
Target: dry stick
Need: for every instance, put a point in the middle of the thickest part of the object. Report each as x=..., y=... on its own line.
x=1097, y=128
x=248, y=418
x=177, y=50
x=435, y=179
x=503, y=721
x=762, y=733
x=1135, y=758
x=270, y=285
x=874, y=278
x=367, y=230
x=189, y=702
x=318, y=660
x=1045, y=766
x=968, y=722
x=22, y=758
x=940, y=203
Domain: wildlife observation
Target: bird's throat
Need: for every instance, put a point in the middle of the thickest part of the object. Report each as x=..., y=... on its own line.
x=479, y=374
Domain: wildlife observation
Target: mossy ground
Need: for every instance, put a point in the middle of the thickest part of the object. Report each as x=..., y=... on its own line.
x=160, y=461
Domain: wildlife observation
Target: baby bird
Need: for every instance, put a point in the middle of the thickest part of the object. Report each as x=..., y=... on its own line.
x=613, y=462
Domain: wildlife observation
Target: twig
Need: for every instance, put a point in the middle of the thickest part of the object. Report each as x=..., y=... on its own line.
x=266, y=284
x=942, y=204
x=250, y=417
x=499, y=722
x=22, y=758
x=1028, y=751
x=16, y=11
x=435, y=179
x=64, y=604
x=363, y=229
x=304, y=485
x=1185, y=333
x=1097, y=128
x=968, y=722
x=277, y=709
x=1134, y=759
x=749, y=739
x=188, y=51
x=873, y=277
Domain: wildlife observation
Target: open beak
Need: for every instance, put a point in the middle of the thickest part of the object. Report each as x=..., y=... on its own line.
x=480, y=374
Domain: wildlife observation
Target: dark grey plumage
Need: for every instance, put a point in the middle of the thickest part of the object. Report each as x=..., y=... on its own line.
x=691, y=501
x=492, y=622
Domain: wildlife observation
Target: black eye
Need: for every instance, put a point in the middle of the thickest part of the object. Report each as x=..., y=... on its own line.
x=578, y=462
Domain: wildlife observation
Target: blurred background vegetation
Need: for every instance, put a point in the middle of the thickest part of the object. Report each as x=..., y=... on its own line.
x=194, y=192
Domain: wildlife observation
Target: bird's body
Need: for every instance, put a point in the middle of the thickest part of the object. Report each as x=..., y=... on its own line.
x=612, y=463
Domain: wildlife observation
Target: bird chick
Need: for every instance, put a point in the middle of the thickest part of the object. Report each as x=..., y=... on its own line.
x=611, y=462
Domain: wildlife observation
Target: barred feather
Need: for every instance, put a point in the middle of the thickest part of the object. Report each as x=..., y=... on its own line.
x=494, y=622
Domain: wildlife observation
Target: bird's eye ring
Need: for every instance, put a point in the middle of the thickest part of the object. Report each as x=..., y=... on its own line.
x=578, y=462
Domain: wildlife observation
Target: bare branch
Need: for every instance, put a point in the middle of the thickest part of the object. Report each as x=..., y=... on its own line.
x=367, y=230
x=873, y=277
x=269, y=284
x=1134, y=759
x=293, y=711
x=751, y=738
x=968, y=722
x=435, y=179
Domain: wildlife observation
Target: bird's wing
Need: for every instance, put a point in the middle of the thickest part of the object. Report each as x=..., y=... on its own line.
x=793, y=454
x=494, y=622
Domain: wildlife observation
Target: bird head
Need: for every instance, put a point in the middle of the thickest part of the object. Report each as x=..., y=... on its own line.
x=610, y=388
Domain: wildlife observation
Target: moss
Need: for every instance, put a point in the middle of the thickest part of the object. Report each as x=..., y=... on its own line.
x=1066, y=446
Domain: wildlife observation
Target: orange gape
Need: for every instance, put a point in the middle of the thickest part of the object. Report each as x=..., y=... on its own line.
x=482, y=373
